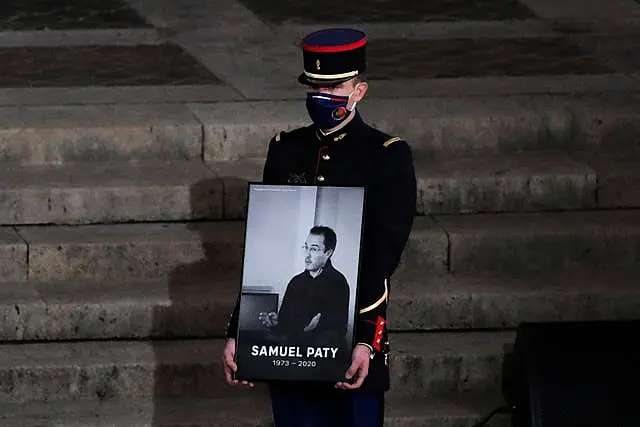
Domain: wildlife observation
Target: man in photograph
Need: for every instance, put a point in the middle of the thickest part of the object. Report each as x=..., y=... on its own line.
x=315, y=307
x=340, y=149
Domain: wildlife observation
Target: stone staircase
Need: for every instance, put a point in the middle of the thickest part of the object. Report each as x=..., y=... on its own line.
x=122, y=242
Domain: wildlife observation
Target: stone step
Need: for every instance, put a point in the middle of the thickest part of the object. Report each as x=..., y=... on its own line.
x=199, y=307
x=105, y=370
x=177, y=191
x=123, y=309
x=470, y=183
x=499, y=242
x=521, y=243
x=131, y=251
x=36, y=135
x=109, y=192
x=618, y=177
x=98, y=133
x=537, y=181
x=250, y=410
x=482, y=301
x=442, y=124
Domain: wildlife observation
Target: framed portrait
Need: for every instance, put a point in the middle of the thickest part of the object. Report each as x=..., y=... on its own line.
x=299, y=282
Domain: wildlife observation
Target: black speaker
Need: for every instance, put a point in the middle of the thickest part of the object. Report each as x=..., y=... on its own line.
x=575, y=374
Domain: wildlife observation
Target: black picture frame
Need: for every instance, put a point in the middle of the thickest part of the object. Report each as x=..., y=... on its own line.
x=321, y=351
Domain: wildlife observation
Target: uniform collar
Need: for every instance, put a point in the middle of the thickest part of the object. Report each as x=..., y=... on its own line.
x=341, y=134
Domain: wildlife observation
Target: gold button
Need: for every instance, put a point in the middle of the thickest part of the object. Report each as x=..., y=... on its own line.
x=320, y=178
x=326, y=157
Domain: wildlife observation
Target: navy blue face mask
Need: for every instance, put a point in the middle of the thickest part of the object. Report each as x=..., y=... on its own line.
x=326, y=110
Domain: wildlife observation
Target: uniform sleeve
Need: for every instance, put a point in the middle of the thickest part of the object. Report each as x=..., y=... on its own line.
x=268, y=176
x=392, y=208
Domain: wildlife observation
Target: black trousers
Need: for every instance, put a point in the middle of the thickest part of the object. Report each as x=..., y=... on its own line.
x=325, y=407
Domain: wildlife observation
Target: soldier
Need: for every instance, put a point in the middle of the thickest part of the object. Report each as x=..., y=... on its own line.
x=339, y=148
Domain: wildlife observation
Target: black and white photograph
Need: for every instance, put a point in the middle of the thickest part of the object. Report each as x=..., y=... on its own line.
x=299, y=282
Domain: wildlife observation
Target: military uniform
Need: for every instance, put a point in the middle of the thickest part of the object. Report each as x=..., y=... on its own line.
x=355, y=155
x=358, y=155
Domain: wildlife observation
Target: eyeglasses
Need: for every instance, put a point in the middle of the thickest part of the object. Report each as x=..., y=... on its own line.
x=313, y=249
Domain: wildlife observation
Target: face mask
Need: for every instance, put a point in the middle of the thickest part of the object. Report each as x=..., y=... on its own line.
x=327, y=111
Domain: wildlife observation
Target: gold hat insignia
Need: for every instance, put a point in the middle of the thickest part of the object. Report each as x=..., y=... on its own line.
x=318, y=64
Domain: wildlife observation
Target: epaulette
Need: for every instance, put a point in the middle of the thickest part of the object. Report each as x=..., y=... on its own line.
x=391, y=141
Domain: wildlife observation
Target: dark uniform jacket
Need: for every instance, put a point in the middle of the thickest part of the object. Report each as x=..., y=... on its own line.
x=357, y=155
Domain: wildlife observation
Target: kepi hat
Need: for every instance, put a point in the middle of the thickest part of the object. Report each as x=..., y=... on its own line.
x=332, y=56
